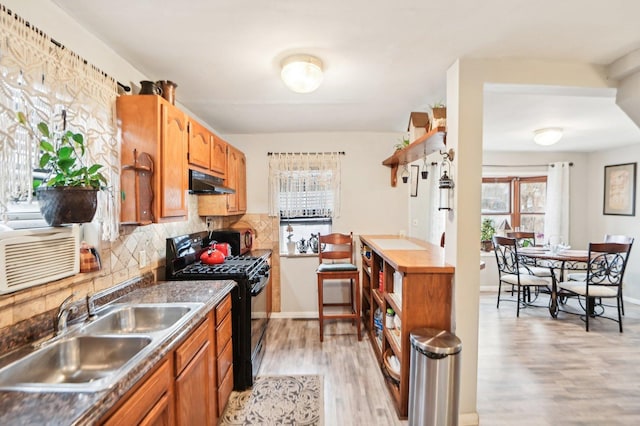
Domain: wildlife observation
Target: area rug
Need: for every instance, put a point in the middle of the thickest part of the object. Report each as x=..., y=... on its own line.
x=277, y=400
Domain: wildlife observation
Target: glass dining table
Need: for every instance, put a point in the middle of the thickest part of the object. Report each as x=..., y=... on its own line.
x=558, y=262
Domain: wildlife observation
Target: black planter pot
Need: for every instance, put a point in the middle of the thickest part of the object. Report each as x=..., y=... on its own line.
x=67, y=204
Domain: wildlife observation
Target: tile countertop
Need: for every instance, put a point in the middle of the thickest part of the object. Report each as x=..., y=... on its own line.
x=77, y=408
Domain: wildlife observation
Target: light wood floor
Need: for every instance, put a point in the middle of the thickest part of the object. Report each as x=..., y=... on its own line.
x=532, y=370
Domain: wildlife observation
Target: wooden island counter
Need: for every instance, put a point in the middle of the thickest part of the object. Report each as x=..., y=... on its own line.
x=409, y=276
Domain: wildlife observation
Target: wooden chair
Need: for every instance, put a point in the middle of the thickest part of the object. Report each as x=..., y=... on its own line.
x=337, y=262
x=512, y=272
x=605, y=270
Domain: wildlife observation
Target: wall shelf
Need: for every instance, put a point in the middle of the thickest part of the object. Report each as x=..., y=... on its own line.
x=430, y=142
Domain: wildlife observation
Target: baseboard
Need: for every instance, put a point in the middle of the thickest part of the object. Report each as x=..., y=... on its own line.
x=468, y=419
x=631, y=300
x=488, y=288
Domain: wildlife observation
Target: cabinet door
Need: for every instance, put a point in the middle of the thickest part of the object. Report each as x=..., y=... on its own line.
x=241, y=191
x=219, y=157
x=193, y=389
x=233, y=161
x=150, y=404
x=199, y=145
x=173, y=171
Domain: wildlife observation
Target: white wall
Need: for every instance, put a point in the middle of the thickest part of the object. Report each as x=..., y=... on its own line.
x=465, y=83
x=369, y=204
x=600, y=224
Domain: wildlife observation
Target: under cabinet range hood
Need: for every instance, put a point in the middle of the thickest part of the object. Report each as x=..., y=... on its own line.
x=201, y=183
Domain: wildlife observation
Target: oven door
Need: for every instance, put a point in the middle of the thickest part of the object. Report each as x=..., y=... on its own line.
x=258, y=322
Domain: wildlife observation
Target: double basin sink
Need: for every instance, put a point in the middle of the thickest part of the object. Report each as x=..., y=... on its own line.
x=96, y=354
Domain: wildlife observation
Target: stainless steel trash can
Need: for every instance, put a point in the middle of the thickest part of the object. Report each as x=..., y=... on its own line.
x=434, y=378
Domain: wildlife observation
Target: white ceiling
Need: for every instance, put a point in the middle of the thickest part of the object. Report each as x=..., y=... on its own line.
x=383, y=59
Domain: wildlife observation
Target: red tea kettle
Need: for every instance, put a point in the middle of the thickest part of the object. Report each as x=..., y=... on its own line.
x=225, y=248
x=212, y=256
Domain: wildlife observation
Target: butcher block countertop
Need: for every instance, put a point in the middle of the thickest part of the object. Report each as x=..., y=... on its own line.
x=409, y=255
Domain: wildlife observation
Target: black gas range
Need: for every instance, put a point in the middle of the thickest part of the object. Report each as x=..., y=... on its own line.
x=249, y=298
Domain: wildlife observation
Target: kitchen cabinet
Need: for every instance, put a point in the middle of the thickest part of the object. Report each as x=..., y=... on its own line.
x=207, y=152
x=151, y=125
x=193, y=382
x=195, y=378
x=236, y=178
x=224, y=353
x=151, y=403
x=430, y=142
x=410, y=277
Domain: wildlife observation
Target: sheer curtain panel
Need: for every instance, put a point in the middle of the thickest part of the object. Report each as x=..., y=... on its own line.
x=556, y=221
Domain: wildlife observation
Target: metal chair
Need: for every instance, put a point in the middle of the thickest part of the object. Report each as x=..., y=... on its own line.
x=513, y=272
x=337, y=262
x=608, y=238
x=607, y=263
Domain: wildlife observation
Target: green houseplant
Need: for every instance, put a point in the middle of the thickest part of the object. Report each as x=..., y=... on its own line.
x=69, y=192
x=487, y=231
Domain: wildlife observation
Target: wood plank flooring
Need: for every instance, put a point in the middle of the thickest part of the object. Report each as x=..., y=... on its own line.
x=532, y=370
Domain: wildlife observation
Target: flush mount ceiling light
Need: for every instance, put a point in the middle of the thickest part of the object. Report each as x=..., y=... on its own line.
x=547, y=136
x=302, y=73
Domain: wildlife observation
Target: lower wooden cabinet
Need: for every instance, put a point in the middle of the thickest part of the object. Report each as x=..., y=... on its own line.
x=192, y=384
x=194, y=378
x=151, y=403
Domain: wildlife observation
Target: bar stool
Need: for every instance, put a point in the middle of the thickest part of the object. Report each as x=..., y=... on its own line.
x=337, y=262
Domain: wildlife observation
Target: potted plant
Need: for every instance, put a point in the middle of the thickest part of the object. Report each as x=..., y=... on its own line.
x=438, y=115
x=487, y=231
x=403, y=143
x=69, y=192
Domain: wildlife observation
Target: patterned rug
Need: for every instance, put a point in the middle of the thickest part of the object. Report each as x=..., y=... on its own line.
x=277, y=400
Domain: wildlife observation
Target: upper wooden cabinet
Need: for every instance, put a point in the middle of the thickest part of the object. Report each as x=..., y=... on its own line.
x=219, y=156
x=236, y=178
x=207, y=152
x=200, y=140
x=151, y=125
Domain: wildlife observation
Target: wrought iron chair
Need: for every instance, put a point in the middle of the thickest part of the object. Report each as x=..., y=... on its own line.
x=337, y=262
x=513, y=272
x=607, y=263
x=608, y=238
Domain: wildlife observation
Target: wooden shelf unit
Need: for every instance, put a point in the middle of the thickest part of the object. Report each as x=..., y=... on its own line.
x=430, y=142
x=426, y=301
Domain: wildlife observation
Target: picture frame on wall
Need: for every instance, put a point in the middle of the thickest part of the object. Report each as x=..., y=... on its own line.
x=620, y=189
x=415, y=172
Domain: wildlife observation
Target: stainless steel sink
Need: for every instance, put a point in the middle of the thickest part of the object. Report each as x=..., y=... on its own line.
x=94, y=356
x=138, y=319
x=81, y=362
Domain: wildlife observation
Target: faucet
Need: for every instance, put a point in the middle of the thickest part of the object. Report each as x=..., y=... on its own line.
x=63, y=315
x=91, y=308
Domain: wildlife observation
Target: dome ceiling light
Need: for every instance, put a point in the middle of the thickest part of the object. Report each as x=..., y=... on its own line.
x=302, y=73
x=547, y=136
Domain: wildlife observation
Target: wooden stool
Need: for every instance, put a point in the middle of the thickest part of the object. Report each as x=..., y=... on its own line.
x=337, y=262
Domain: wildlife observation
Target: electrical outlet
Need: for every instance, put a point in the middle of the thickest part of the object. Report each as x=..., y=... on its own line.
x=209, y=221
x=415, y=222
x=142, y=258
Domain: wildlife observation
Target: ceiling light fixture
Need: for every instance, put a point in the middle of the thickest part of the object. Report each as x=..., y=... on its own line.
x=302, y=73
x=547, y=136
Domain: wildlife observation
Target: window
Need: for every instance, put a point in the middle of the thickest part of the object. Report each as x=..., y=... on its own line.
x=304, y=192
x=519, y=200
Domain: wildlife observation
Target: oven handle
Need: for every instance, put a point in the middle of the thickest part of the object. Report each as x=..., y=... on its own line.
x=257, y=289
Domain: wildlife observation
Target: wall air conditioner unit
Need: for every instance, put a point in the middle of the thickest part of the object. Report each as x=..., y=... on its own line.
x=31, y=257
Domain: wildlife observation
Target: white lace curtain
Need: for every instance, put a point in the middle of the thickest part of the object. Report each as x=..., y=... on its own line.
x=304, y=184
x=556, y=221
x=42, y=79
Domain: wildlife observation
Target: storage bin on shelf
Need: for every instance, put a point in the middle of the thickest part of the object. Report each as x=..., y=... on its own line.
x=394, y=372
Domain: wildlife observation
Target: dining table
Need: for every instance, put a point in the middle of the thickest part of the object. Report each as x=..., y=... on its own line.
x=559, y=260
